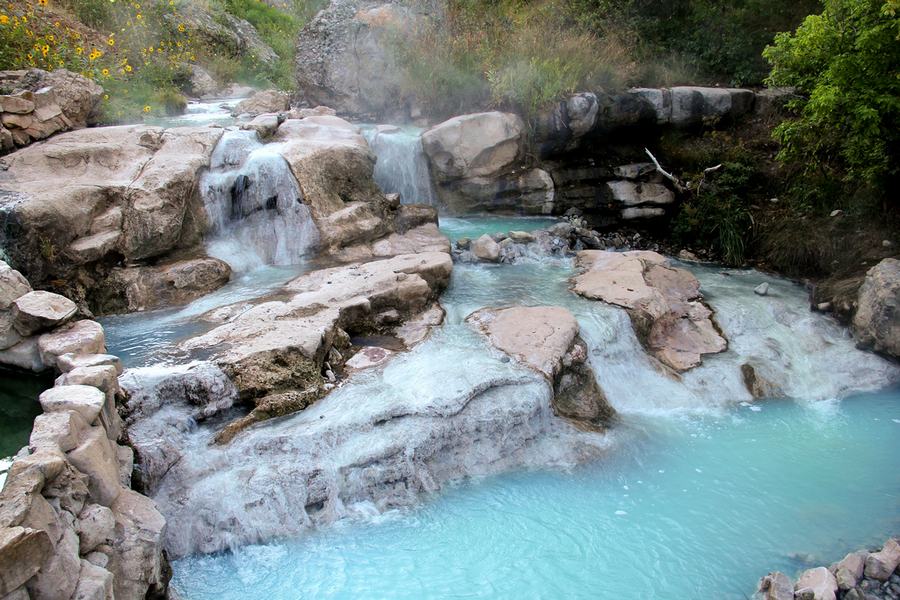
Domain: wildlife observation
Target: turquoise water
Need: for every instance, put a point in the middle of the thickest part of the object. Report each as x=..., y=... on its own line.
x=475, y=227
x=696, y=507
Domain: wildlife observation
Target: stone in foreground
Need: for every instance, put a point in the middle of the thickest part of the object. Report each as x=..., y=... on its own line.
x=545, y=338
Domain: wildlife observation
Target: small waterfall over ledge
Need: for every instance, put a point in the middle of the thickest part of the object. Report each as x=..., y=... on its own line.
x=254, y=205
x=402, y=167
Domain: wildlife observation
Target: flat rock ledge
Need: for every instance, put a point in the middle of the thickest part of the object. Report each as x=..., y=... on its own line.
x=860, y=575
x=546, y=339
x=664, y=303
x=285, y=352
x=70, y=524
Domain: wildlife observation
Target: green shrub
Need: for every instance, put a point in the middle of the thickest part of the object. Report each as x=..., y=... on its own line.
x=843, y=63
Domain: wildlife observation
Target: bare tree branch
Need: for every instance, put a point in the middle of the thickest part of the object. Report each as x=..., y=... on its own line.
x=675, y=181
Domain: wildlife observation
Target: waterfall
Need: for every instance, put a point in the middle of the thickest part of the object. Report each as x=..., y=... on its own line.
x=254, y=205
x=402, y=167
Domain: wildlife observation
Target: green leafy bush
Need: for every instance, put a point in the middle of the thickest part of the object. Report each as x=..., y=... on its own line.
x=844, y=65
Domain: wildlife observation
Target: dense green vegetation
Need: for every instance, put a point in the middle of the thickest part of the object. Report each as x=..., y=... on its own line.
x=845, y=65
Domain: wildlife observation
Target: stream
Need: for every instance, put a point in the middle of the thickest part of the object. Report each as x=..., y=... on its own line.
x=445, y=473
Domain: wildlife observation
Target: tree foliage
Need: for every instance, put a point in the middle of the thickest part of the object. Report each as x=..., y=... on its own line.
x=845, y=66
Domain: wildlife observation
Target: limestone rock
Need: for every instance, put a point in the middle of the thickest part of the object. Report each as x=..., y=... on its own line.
x=881, y=565
x=85, y=400
x=137, y=563
x=819, y=581
x=60, y=429
x=80, y=337
x=267, y=101
x=776, y=586
x=24, y=354
x=485, y=248
x=545, y=338
x=95, y=525
x=94, y=583
x=69, y=362
x=38, y=311
x=474, y=145
x=77, y=97
x=96, y=458
x=663, y=302
x=877, y=320
x=629, y=193
x=22, y=552
x=12, y=286
x=762, y=289
x=345, y=59
x=202, y=83
x=58, y=576
x=849, y=570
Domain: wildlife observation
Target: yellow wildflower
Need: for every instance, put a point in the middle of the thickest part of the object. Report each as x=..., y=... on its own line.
x=181, y=27
x=111, y=42
x=105, y=72
x=42, y=2
x=51, y=38
x=146, y=109
x=79, y=50
x=4, y=19
x=128, y=68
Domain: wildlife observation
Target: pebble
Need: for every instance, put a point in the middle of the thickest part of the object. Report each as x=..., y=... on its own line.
x=762, y=289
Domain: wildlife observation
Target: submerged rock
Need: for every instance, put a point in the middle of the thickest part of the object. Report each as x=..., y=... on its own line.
x=664, y=303
x=545, y=338
x=877, y=320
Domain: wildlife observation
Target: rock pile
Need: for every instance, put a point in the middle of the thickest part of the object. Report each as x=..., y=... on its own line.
x=36, y=104
x=70, y=524
x=858, y=576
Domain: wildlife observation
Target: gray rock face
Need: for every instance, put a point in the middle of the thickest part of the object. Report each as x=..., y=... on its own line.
x=345, y=61
x=877, y=320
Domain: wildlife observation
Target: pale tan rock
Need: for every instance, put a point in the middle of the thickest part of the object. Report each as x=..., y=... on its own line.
x=663, y=302
x=58, y=576
x=475, y=145
x=12, y=286
x=877, y=320
x=485, y=248
x=369, y=357
x=267, y=101
x=24, y=355
x=69, y=362
x=776, y=586
x=96, y=458
x=39, y=311
x=85, y=400
x=850, y=570
x=22, y=552
x=136, y=562
x=819, y=581
x=102, y=377
x=94, y=583
x=419, y=327
x=61, y=429
x=95, y=525
x=80, y=337
x=880, y=565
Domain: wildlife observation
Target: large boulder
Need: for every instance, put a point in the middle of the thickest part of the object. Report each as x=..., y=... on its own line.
x=12, y=287
x=236, y=37
x=475, y=145
x=545, y=338
x=40, y=311
x=664, y=303
x=345, y=60
x=89, y=199
x=267, y=101
x=882, y=564
x=816, y=584
x=275, y=351
x=877, y=320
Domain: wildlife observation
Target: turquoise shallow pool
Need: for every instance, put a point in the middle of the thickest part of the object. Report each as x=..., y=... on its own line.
x=474, y=227
x=685, y=508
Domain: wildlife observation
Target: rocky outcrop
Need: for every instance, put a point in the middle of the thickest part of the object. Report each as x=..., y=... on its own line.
x=70, y=527
x=278, y=352
x=858, y=576
x=93, y=199
x=877, y=320
x=235, y=36
x=345, y=59
x=267, y=101
x=473, y=156
x=545, y=338
x=664, y=303
x=36, y=104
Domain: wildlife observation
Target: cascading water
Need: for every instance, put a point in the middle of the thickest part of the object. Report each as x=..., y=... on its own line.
x=401, y=167
x=254, y=205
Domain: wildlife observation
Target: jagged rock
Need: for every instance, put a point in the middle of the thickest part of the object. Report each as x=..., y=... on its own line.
x=776, y=586
x=77, y=97
x=816, y=584
x=759, y=386
x=98, y=195
x=474, y=145
x=663, y=302
x=281, y=345
x=85, y=400
x=80, y=337
x=849, y=570
x=12, y=286
x=22, y=552
x=266, y=101
x=58, y=576
x=96, y=458
x=877, y=320
x=344, y=59
x=881, y=565
x=562, y=126
x=201, y=83
x=60, y=429
x=485, y=248
x=137, y=563
x=39, y=311
x=237, y=37
x=545, y=338
x=170, y=284
x=95, y=525
x=530, y=192
x=94, y=583
x=69, y=362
